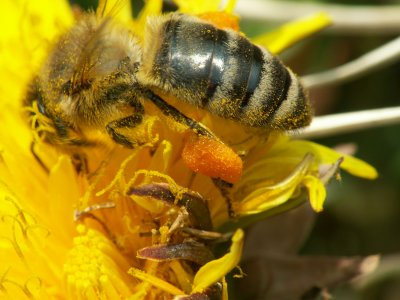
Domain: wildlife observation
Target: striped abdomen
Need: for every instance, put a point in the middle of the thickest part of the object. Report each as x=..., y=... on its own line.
x=223, y=72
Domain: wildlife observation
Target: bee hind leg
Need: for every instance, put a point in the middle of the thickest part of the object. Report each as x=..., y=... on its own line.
x=178, y=116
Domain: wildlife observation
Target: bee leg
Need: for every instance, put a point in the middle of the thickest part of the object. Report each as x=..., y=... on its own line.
x=64, y=134
x=80, y=162
x=127, y=122
x=224, y=187
x=172, y=112
x=38, y=159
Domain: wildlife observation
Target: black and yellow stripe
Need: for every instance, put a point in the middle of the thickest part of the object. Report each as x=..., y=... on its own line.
x=223, y=72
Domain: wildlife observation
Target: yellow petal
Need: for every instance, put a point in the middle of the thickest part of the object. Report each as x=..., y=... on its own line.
x=329, y=156
x=224, y=289
x=63, y=196
x=358, y=168
x=197, y=6
x=267, y=197
x=46, y=19
x=230, y=6
x=151, y=8
x=316, y=192
x=214, y=270
x=26, y=29
x=162, y=157
x=184, y=278
x=290, y=33
x=155, y=281
x=120, y=10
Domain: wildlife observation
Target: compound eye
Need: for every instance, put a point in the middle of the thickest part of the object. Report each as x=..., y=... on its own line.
x=66, y=88
x=40, y=104
x=35, y=94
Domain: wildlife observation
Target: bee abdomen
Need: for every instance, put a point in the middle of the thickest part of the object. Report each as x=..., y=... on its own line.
x=223, y=72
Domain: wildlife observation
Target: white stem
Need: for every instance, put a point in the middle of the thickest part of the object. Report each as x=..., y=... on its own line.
x=369, y=62
x=359, y=19
x=324, y=126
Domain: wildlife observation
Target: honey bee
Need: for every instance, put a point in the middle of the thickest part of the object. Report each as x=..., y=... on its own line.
x=98, y=75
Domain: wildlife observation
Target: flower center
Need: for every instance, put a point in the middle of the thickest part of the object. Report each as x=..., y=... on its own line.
x=94, y=268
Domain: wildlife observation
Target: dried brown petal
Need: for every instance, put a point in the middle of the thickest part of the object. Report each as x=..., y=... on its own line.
x=214, y=292
x=192, y=251
x=195, y=205
x=293, y=277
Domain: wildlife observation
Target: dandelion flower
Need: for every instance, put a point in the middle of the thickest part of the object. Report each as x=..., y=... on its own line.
x=142, y=216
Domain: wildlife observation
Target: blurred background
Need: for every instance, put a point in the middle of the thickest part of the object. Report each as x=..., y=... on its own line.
x=361, y=217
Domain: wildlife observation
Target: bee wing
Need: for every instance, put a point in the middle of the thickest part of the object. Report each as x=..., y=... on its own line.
x=89, y=57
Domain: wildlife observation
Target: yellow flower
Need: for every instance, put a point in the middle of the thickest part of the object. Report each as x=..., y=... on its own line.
x=133, y=208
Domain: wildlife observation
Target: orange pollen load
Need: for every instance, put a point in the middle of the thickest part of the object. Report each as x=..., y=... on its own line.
x=221, y=20
x=212, y=158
